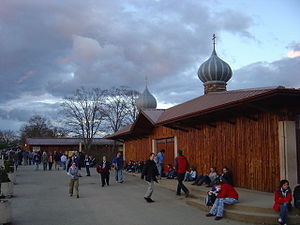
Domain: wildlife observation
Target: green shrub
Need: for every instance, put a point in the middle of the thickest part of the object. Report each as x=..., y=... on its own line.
x=9, y=166
x=3, y=175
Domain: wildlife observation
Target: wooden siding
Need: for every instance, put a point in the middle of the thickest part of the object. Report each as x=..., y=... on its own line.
x=298, y=144
x=249, y=148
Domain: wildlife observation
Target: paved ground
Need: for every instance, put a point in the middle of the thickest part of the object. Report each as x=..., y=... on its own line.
x=41, y=198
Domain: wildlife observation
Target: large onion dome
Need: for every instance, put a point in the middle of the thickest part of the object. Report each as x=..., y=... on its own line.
x=146, y=100
x=214, y=72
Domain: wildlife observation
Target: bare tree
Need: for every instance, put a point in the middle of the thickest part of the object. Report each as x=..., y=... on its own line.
x=40, y=126
x=83, y=114
x=120, y=108
x=8, y=137
x=132, y=109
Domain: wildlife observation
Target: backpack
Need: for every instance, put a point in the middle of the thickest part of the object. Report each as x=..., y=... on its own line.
x=297, y=197
x=210, y=200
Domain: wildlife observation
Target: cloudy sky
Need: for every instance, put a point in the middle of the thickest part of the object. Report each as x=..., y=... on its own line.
x=50, y=48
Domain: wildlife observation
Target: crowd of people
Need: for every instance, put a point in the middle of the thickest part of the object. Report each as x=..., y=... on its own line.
x=222, y=191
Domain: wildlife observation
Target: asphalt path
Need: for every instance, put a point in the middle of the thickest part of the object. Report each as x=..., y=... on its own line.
x=41, y=198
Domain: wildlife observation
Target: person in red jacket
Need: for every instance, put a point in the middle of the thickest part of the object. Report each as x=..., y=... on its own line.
x=227, y=195
x=181, y=166
x=282, y=198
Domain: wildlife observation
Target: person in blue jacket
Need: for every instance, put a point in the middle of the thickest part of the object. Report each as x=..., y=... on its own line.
x=118, y=164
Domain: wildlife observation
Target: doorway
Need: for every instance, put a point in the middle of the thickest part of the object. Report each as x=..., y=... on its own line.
x=168, y=144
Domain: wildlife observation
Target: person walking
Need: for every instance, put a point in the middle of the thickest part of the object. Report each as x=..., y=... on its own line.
x=118, y=164
x=36, y=160
x=103, y=168
x=150, y=172
x=74, y=181
x=181, y=166
x=87, y=162
x=56, y=157
x=63, y=160
x=50, y=160
x=160, y=160
x=44, y=160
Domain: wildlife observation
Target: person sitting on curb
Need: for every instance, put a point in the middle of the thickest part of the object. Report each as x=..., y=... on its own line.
x=282, y=198
x=207, y=179
x=190, y=175
x=212, y=195
x=297, y=196
x=227, y=195
x=170, y=172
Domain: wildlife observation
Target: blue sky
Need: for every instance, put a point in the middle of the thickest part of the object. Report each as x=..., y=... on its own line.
x=50, y=48
x=275, y=26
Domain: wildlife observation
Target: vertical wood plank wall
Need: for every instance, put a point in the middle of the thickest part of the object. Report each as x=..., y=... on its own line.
x=249, y=148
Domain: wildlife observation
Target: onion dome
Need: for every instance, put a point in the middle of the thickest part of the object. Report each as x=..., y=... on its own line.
x=214, y=72
x=146, y=100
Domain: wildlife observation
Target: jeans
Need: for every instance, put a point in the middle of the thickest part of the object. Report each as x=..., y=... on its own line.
x=218, y=206
x=44, y=165
x=159, y=168
x=87, y=167
x=63, y=165
x=119, y=176
x=284, y=212
x=36, y=166
x=180, y=178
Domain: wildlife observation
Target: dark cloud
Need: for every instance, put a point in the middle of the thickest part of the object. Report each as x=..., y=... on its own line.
x=53, y=47
x=282, y=72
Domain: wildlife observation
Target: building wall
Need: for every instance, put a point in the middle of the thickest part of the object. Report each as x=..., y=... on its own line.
x=250, y=149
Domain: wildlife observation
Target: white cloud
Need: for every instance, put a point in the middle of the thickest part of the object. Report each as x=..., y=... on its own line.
x=293, y=54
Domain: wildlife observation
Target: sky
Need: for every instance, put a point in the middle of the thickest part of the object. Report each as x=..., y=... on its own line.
x=50, y=48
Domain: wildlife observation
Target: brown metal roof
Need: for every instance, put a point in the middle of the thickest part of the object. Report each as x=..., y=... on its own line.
x=153, y=114
x=214, y=101
x=123, y=131
x=65, y=141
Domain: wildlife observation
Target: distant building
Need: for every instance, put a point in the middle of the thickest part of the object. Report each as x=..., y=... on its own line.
x=100, y=146
x=254, y=132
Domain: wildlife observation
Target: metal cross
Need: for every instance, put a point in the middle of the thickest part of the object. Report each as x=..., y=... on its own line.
x=214, y=39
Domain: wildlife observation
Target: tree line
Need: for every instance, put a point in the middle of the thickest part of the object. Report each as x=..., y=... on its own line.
x=86, y=114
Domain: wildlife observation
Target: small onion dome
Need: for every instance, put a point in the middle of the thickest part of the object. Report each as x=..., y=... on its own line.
x=214, y=70
x=146, y=100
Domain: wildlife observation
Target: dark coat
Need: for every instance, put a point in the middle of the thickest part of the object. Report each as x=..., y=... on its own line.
x=150, y=171
x=106, y=169
x=227, y=178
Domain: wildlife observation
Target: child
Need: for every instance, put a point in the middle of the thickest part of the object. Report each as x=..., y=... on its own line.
x=282, y=198
x=212, y=195
x=170, y=172
x=227, y=195
x=74, y=181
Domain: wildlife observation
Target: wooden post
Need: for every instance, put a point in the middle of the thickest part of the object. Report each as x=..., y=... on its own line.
x=288, y=152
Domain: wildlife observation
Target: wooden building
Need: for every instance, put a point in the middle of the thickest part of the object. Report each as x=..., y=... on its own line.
x=100, y=146
x=253, y=132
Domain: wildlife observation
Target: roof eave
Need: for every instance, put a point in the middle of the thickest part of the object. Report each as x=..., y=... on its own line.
x=224, y=106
